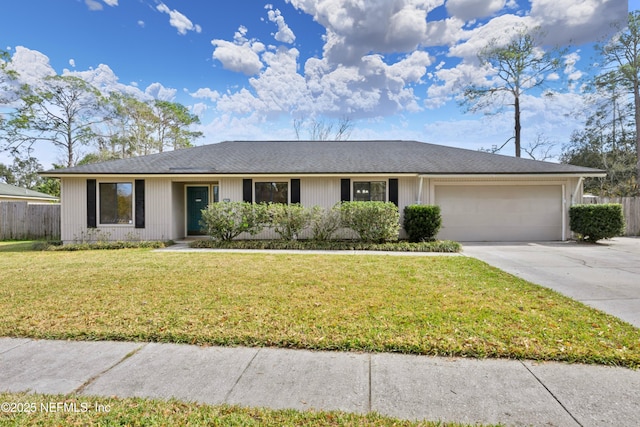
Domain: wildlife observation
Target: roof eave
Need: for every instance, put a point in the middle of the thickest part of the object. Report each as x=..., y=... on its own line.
x=515, y=175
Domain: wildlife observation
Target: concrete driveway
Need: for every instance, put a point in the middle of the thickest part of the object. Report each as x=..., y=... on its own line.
x=604, y=275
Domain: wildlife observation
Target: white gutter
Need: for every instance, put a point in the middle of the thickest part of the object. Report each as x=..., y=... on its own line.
x=214, y=175
x=419, y=201
x=516, y=175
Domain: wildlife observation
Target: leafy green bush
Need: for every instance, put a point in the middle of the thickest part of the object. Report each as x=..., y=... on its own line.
x=372, y=221
x=227, y=220
x=422, y=222
x=324, y=222
x=595, y=222
x=288, y=221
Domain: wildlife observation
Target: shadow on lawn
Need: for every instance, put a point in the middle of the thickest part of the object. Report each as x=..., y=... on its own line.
x=8, y=246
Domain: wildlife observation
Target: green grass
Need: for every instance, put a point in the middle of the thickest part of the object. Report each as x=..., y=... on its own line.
x=17, y=246
x=82, y=411
x=447, y=306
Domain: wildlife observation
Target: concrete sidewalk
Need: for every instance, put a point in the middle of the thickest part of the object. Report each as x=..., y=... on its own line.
x=404, y=386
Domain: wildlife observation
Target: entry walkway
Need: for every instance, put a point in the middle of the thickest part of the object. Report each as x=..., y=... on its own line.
x=409, y=387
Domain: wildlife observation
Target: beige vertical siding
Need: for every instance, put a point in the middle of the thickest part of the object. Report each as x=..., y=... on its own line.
x=73, y=201
x=324, y=192
x=158, y=213
x=231, y=189
x=178, y=210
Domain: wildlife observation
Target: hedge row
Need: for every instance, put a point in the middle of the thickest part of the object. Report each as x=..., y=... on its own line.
x=333, y=245
x=371, y=221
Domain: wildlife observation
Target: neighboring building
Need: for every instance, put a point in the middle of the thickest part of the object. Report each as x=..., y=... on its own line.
x=483, y=197
x=11, y=193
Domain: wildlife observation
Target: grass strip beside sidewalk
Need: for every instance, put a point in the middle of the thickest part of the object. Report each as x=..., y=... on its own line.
x=43, y=410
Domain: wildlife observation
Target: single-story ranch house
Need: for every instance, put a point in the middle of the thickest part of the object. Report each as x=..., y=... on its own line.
x=483, y=196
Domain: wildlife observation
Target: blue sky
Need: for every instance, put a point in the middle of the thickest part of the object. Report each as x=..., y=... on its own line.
x=248, y=68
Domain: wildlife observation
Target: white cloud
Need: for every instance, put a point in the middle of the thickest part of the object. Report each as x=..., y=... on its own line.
x=105, y=80
x=570, y=70
x=577, y=22
x=354, y=27
x=178, y=20
x=31, y=66
x=206, y=93
x=93, y=5
x=158, y=91
x=473, y=9
x=241, y=55
x=284, y=34
x=72, y=62
x=199, y=108
x=141, y=23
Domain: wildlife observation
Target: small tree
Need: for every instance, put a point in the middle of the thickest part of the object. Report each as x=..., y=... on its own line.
x=373, y=221
x=227, y=220
x=288, y=221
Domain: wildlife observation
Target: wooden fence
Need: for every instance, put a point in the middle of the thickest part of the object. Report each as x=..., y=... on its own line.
x=630, y=208
x=26, y=221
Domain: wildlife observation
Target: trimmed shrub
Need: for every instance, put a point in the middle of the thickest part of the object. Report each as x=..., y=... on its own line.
x=227, y=220
x=422, y=222
x=288, y=221
x=324, y=223
x=595, y=222
x=372, y=221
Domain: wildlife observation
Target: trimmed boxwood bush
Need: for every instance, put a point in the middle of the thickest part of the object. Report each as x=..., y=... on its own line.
x=422, y=222
x=595, y=222
x=373, y=221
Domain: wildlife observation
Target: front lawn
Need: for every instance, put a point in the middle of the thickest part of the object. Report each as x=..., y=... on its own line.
x=448, y=306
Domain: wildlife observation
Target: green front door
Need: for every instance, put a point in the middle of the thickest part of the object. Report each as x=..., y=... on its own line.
x=197, y=200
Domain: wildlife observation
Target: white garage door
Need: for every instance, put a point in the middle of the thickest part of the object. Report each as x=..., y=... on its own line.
x=500, y=212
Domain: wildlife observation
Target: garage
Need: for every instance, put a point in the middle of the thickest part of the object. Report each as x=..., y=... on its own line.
x=476, y=213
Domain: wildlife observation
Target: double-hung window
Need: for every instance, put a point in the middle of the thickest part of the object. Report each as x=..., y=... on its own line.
x=116, y=203
x=369, y=191
x=272, y=192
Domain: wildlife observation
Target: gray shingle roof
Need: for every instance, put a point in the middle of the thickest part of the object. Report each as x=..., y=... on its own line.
x=19, y=192
x=324, y=157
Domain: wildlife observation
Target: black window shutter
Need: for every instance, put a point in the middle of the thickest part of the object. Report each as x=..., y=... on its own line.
x=295, y=191
x=91, y=204
x=247, y=185
x=393, y=191
x=345, y=190
x=139, y=203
